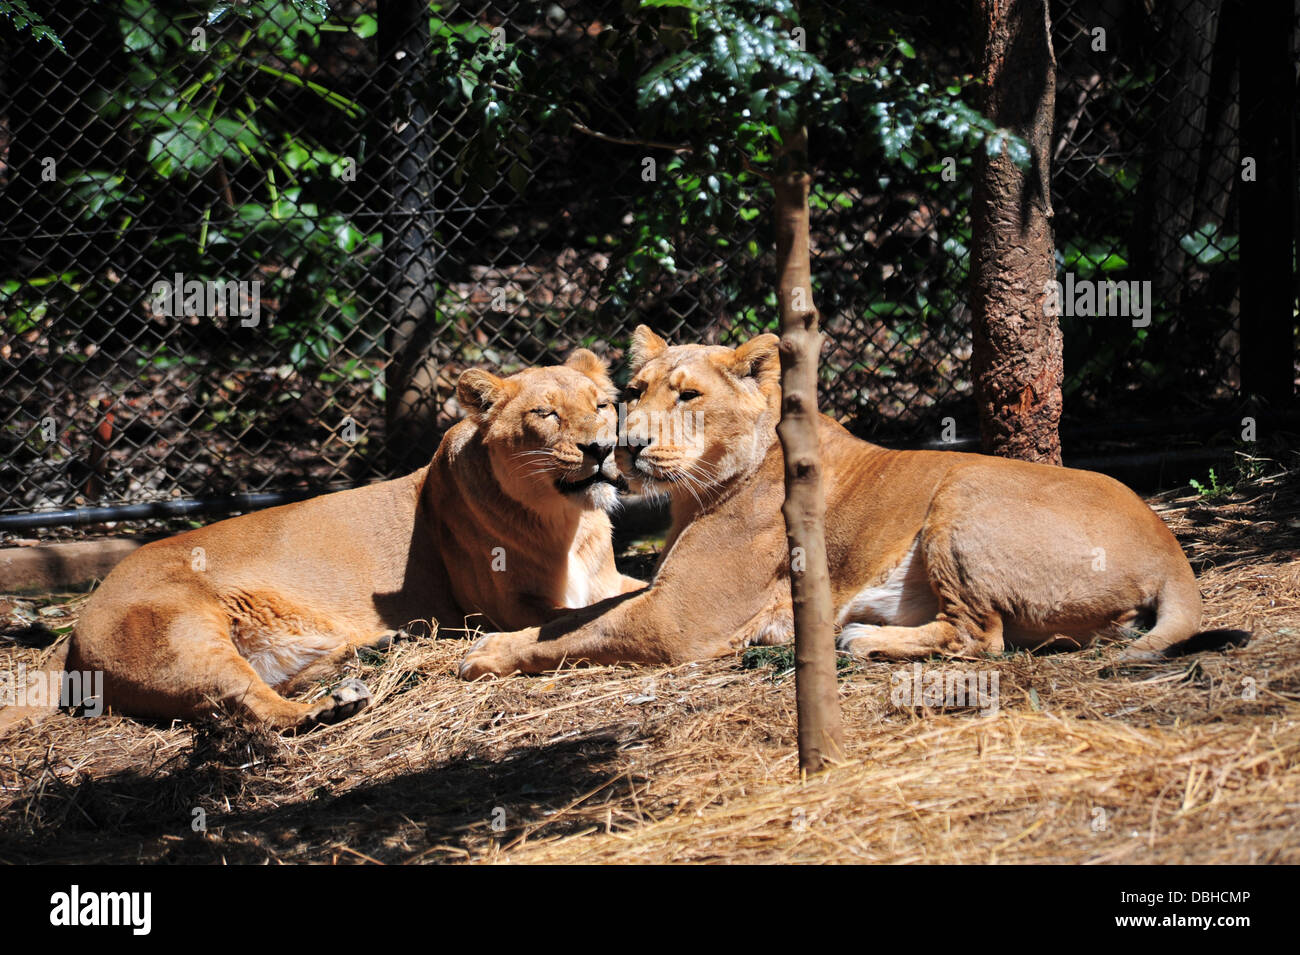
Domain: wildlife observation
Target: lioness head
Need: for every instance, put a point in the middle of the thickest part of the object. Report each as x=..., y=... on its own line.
x=697, y=415
x=549, y=431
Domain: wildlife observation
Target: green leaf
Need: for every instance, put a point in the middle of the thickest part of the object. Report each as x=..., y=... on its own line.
x=21, y=16
x=1208, y=247
x=518, y=177
x=365, y=26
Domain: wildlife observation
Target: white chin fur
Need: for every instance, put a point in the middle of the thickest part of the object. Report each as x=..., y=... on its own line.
x=603, y=496
x=642, y=483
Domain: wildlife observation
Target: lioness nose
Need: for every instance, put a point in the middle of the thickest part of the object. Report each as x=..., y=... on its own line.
x=598, y=451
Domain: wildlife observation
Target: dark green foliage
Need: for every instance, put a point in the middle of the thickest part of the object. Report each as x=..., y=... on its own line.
x=781, y=660
x=187, y=102
x=722, y=80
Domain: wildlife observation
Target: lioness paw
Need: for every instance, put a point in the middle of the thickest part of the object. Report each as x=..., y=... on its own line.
x=492, y=655
x=384, y=642
x=857, y=639
x=773, y=629
x=347, y=699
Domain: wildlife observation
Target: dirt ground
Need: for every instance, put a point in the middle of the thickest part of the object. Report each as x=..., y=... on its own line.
x=1195, y=759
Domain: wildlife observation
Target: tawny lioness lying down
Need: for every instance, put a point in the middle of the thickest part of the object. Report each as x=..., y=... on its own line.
x=929, y=551
x=508, y=521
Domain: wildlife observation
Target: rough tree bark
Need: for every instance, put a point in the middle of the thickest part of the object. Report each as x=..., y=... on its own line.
x=1017, y=356
x=821, y=738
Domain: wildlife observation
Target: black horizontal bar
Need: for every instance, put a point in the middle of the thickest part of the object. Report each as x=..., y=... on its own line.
x=180, y=507
x=637, y=515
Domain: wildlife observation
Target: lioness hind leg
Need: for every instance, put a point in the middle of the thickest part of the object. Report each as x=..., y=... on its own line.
x=323, y=668
x=943, y=636
x=227, y=682
x=245, y=694
x=964, y=624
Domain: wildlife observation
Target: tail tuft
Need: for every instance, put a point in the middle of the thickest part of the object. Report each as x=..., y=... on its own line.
x=1209, y=640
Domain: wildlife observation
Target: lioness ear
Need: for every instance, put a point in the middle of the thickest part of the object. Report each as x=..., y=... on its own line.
x=477, y=391
x=589, y=363
x=594, y=367
x=758, y=358
x=646, y=345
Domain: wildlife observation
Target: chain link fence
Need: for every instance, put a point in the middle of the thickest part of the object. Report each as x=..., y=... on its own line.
x=232, y=235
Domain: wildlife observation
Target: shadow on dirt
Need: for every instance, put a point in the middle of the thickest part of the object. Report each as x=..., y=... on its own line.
x=445, y=812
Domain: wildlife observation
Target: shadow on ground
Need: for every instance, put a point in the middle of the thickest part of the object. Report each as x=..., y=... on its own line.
x=430, y=814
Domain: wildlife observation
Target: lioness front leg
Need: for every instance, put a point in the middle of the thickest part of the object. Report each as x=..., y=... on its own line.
x=640, y=627
x=582, y=636
x=771, y=626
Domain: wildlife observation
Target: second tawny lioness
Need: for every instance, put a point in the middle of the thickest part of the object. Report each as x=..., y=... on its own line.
x=929, y=551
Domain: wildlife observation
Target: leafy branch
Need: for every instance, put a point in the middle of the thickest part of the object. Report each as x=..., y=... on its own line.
x=21, y=16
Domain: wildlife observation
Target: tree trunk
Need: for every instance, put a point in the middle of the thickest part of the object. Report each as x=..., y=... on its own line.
x=409, y=242
x=1017, y=358
x=821, y=739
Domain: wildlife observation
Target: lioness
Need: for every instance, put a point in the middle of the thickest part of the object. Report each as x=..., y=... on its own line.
x=508, y=521
x=929, y=551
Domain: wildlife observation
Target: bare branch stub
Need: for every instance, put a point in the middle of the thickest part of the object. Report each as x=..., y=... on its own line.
x=821, y=740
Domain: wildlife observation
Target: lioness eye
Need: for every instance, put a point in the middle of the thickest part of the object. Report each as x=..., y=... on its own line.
x=631, y=393
x=544, y=412
x=687, y=395
x=605, y=404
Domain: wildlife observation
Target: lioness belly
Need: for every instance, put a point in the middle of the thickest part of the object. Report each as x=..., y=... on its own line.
x=905, y=599
x=278, y=657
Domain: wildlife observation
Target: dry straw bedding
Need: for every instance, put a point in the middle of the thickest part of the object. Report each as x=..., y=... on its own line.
x=1083, y=762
